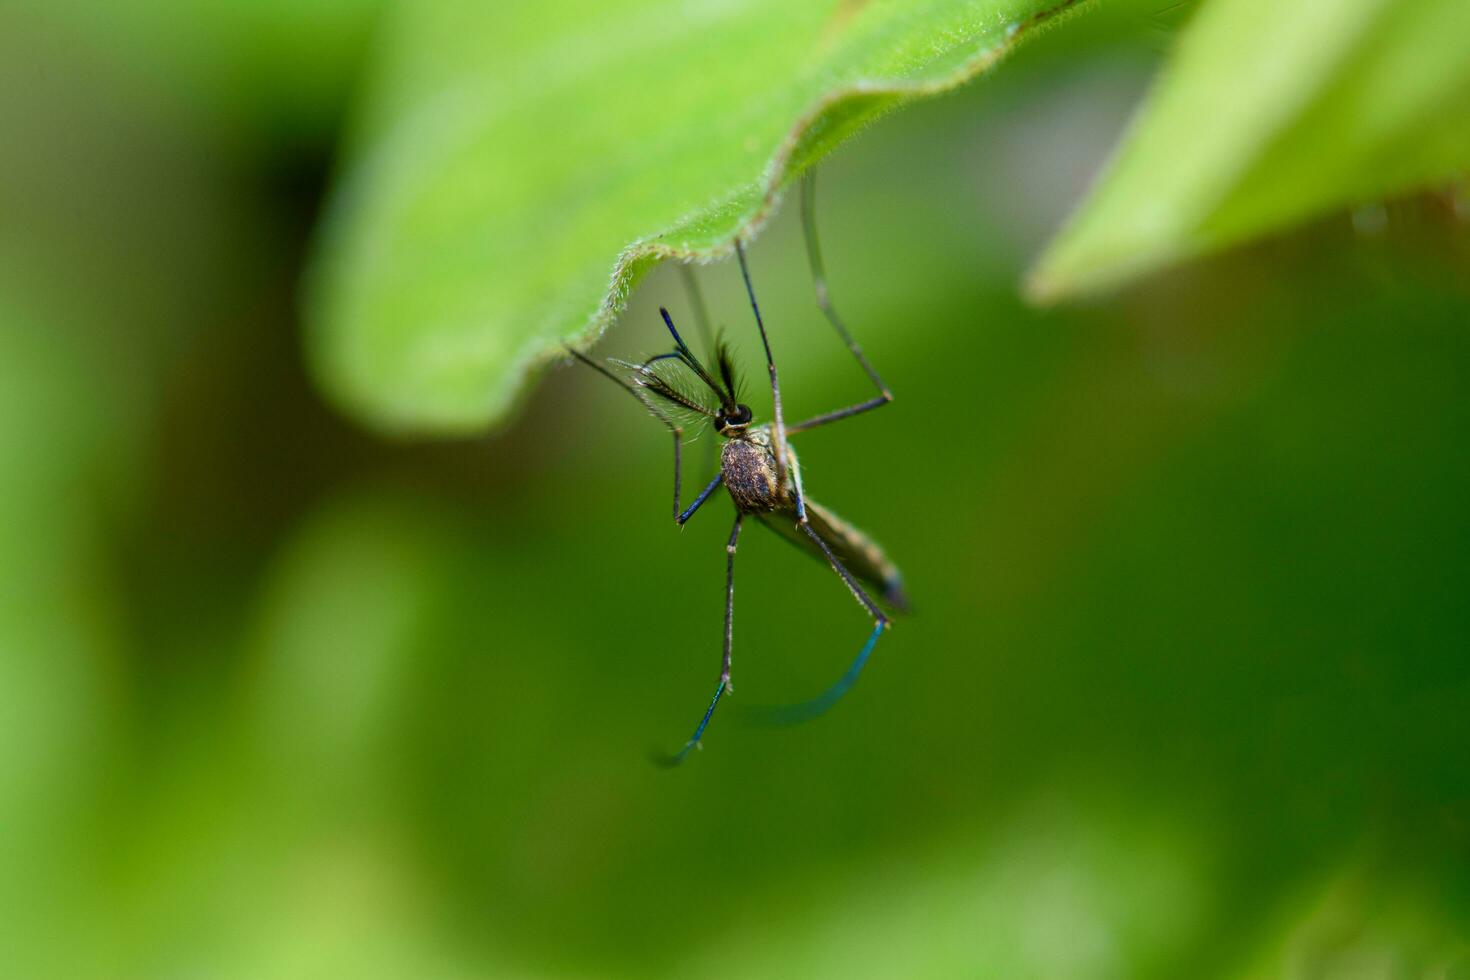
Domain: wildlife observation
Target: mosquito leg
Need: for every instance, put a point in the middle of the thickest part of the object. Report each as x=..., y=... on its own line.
x=724, y=684
x=819, y=281
x=703, y=496
x=678, y=473
x=819, y=284
x=806, y=710
x=838, y=415
x=778, y=426
x=674, y=430
x=800, y=495
x=696, y=303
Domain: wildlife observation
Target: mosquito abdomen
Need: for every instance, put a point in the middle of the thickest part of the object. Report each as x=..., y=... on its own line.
x=854, y=548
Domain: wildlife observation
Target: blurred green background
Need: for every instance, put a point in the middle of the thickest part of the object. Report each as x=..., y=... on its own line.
x=1186, y=691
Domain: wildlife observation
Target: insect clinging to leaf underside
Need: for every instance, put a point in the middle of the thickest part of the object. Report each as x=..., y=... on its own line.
x=760, y=471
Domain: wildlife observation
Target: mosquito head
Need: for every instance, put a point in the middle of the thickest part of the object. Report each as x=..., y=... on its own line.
x=729, y=415
x=732, y=422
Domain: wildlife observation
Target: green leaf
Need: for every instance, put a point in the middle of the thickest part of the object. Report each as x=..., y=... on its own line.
x=1270, y=113
x=519, y=167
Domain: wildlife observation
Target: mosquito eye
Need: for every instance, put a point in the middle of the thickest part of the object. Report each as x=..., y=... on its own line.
x=742, y=415
x=719, y=424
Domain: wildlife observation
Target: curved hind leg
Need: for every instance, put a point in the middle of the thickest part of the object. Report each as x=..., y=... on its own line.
x=807, y=710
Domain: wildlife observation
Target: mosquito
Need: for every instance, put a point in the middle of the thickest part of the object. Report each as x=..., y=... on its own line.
x=759, y=469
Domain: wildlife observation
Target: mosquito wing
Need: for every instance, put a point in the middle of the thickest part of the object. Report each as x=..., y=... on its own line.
x=860, y=553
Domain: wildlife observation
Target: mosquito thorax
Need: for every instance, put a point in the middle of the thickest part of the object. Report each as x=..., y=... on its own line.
x=733, y=424
x=748, y=465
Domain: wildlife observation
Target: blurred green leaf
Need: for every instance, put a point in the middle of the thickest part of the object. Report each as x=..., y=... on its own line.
x=266, y=76
x=1059, y=890
x=520, y=167
x=1271, y=113
x=339, y=631
x=1362, y=921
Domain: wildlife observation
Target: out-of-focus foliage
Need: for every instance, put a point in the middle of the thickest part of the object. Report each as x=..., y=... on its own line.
x=1183, y=696
x=263, y=77
x=1270, y=113
x=517, y=168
